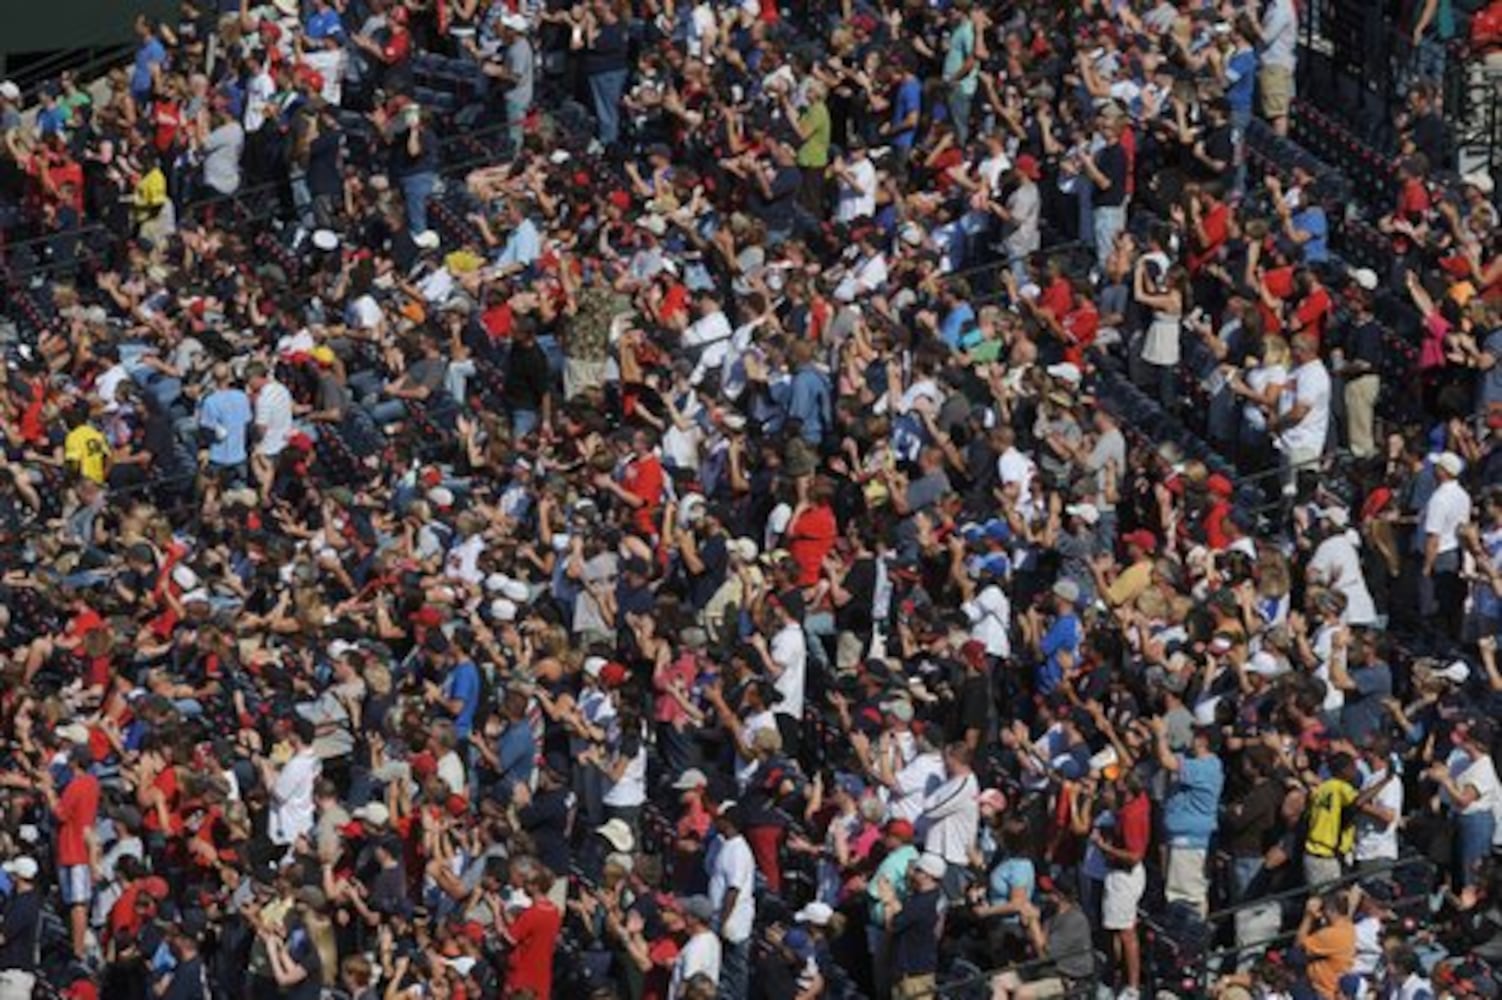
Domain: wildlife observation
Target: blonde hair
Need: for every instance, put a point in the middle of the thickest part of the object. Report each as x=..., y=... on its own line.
x=1275, y=351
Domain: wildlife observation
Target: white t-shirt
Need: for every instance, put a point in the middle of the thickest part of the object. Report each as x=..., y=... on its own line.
x=700, y=955
x=1480, y=774
x=915, y=780
x=273, y=418
x=463, y=561
x=731, y=866
x=292, y=797
x=789, y=650
x=631, y=789
x=857, y=198
x=1376, y=840
x=258, y=93
x=1337, y=564
x=952, y=813
x=1310, y=388
x=712, y=333
x=990, y=617
x=745, y=762
x=866, y=276
x=1257, y=380
x=1448, y=509
x=108, y=383
x=1335, y=698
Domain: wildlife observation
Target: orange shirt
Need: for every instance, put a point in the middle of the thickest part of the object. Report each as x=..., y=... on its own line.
x=1331, y=952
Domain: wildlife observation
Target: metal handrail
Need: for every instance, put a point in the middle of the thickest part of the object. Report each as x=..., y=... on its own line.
x=1214, y=918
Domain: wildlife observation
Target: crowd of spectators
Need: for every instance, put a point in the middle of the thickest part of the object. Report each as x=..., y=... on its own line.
x=840, y=499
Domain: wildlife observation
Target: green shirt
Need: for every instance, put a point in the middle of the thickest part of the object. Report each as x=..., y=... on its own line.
x=893, y=868
x=961, y=49
x=815, y=149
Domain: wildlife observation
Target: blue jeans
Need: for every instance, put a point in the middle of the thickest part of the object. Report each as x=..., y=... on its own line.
x=516, y=123
x=959, y=113
x=735, y=970
x=1108, y=221
x=605, y=91
x=523, y=422
x=1240, y=121
x=1243, y=872
x=416, y=189
x=1473, y=842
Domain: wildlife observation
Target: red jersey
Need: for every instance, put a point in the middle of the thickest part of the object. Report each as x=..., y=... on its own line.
x=77, y=810
x=810, y=538
x=644, y=478
x=534, y=936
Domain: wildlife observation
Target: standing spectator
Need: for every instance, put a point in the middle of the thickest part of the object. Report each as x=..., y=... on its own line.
x=1277, y=55
x=1441, y=592
x=76, y=808
x=20, y=928
x=1191, y=813
x=913, y=922
x=732, y=892
x=602, y=36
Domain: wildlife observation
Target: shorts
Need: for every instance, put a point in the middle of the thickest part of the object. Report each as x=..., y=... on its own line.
x=1122, y=895
x=1276, y=84
x=76, y=883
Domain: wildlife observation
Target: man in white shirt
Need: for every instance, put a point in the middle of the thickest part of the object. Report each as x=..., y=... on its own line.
x=292, y=786
x=785, y=658
x=857, y=183
x=1377, y=819
x=1336, y=564
x=867, y=273
x=951, y=813
x=1441, y=589
x=709, y=335
x=700, y=955
x=1303, y=428
x=990, y=616
x=273, y=413
x=907, y=768
x=732, y=877
x=259, y=90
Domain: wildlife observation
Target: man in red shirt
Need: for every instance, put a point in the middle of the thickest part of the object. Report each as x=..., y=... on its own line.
x=812, y=532
x=532, y=932
x=76, y=811
x=641, y=484
x=1127, y=879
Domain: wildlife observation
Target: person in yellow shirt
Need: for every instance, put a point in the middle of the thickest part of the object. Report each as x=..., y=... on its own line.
x=1332, y=822
x=85, y=449
x=1138, y=575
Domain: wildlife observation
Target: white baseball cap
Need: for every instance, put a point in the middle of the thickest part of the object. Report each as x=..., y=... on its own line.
x=24, y=867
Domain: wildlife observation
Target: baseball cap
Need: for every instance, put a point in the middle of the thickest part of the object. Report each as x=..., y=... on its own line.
x=932, y=865
x=692, y=778
x=816, y=913
x=24, y=867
